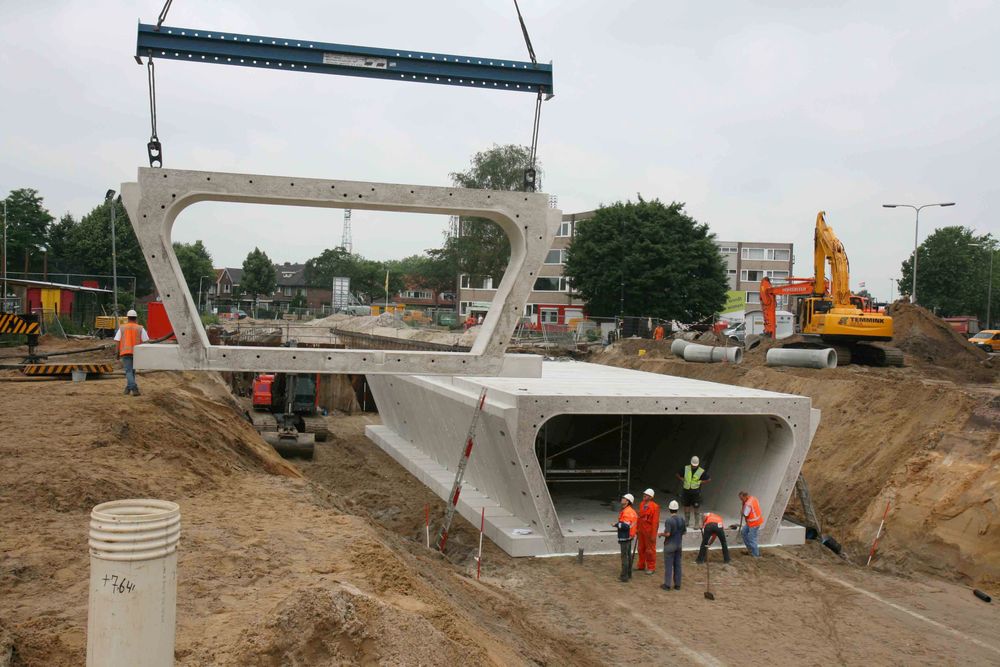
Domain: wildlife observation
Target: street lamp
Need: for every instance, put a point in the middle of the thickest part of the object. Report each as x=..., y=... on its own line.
x=200, y=278
x=989, y=284
x=3, y=297
x=109, y=197
x=916, y=233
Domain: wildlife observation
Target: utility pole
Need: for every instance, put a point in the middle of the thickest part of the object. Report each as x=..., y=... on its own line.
x=916, y=237
x=989, y=284
x=110, y=198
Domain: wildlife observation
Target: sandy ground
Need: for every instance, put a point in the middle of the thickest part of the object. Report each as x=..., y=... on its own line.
x=912, y=437
x=323, y=563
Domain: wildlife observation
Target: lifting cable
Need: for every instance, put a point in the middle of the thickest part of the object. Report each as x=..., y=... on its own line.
x=531, y=172
x=154, y=148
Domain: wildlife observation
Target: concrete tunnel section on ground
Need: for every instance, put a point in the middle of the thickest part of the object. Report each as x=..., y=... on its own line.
x=559, y=442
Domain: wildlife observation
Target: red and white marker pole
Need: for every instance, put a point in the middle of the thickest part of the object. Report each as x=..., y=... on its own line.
x=479, y=558
x=877, y=535
x=427, y=523
x=456, y=488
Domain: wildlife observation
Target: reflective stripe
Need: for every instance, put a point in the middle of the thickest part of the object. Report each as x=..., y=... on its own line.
x=130, y=337
x=754, y=518
x=692, y=481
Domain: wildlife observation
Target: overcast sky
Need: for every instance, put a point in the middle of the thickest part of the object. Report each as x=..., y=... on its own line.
x=757, y=115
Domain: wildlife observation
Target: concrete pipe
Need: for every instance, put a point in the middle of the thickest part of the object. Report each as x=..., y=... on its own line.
x=826, y=358
x=707, y=354
x=133, y=583
x=677, y=347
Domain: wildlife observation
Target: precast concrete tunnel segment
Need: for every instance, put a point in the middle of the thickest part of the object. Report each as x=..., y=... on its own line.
x=559, y=442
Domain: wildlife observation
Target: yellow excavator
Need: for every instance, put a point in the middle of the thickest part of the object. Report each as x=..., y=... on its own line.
x=830, y=316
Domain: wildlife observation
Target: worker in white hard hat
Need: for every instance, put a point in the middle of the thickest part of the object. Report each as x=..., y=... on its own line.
x=627, y=525
x=129, y=336
x=674, y=528
x=692, y=478
x=649, y=521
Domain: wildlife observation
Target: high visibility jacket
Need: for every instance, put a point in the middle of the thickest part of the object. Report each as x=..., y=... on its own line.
x=711, y=517
x=629, y=517
x=131, y=335
x=649, y=516
x=692, y=479
x=658, y=333
x=754, y=517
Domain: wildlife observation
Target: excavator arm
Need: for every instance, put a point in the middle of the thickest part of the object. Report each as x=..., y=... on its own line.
x=768, y=302
x=827, y=246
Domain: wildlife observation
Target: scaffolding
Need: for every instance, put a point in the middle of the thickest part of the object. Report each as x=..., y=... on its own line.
x=617, y=471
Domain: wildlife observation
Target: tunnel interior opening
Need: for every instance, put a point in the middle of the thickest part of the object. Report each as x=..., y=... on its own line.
x=590, y=460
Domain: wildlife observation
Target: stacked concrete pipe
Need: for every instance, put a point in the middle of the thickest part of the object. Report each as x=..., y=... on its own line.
x=710, y=354
x=825, y=358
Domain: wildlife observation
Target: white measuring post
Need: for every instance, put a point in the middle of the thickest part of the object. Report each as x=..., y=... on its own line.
x=427, y=524
x=456, y=488
x=479, y=558
x=877, y=535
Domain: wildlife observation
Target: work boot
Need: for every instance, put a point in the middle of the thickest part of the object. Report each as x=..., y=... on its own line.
x=623, y=579
x=135, y=392
x=677, y=588
x=127, y=391
x=665, y=587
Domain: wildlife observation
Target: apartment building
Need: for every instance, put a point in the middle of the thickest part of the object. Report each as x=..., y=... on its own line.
x=749, y=261
x=551, y=302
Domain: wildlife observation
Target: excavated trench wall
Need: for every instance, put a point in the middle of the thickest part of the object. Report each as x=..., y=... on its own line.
x=749, y=439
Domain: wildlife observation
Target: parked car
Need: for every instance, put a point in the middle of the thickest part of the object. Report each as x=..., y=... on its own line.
x=987, y=339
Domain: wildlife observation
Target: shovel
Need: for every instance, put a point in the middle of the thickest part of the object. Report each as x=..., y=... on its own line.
x=709, y=595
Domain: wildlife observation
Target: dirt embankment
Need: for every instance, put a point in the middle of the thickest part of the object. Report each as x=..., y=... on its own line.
x=273, y=569
x=910, y=435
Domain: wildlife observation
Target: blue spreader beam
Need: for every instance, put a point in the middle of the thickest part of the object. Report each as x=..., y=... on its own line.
x=298, y=55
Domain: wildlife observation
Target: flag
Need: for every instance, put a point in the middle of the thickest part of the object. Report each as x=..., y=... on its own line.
x=861, y=284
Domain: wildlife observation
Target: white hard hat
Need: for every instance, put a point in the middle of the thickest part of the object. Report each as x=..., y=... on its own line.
x=132, y=313
x=629, y=497
x=694, y=460
x=648, y=492
x=673, y=506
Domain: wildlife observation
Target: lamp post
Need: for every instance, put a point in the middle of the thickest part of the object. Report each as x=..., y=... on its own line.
x=199, y=291
x=110, y=198
x=916, y=234
x=3, y=297
x=989, y=284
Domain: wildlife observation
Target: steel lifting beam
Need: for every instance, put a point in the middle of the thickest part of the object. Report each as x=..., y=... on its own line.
x=226, y=48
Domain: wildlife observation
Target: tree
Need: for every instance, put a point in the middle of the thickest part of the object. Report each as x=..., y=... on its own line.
x=953, y=272
x=61, y=245
x=27, y=229
x=481, y=247
x=88, y=248
x=196, y=264
x=259, y=276
x=665, y=261
x=367, y=275
x=428, y=270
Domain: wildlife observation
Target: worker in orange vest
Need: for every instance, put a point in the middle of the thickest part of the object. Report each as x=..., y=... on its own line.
x=658, y=332
x=129, y=336
x=754, y=520
x=649, y=521
x=627, y=525
x=712, y=528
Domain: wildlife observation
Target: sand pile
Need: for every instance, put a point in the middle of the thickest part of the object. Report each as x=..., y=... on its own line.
x=922, y=334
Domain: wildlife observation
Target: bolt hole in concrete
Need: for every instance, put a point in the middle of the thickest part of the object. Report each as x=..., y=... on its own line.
x=589, y=460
